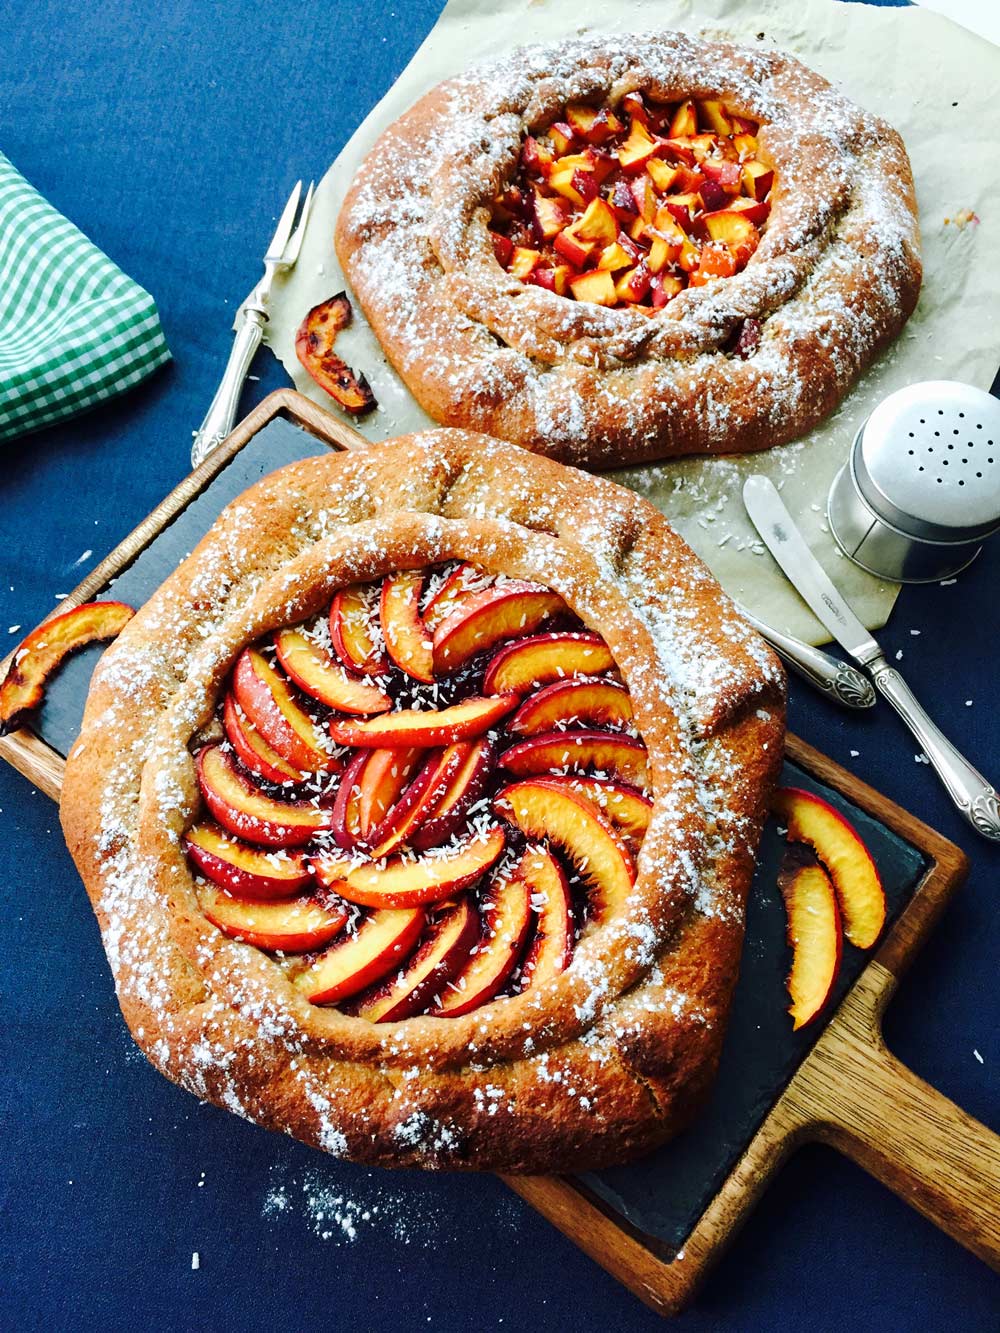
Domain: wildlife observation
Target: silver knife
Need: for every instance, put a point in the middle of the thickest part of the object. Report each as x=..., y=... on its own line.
x=972, y=794
x=836, y=679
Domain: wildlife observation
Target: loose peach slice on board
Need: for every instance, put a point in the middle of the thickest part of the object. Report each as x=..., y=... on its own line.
x=245, y=871
x=251, y=747
x=506, y=916
x=576, y=827
x=426, y=727
x=627, y=808
x=505, y=611
x=410, y=882
x=313, y=671
x=812, y=820
x=442, y=954
x=814, y=935
x=467, y=786
x=380, y=943
x=578, y=701
x=623, y=756
x=407, y=641
x=551, y=946
x=245, y=811
x=292, y=926
x=418, y=802
x=544, y=658
x=354, y=630
x=266, y=698
x=42, y=651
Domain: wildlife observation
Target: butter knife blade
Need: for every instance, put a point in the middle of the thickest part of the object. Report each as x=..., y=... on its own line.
x=782, y=538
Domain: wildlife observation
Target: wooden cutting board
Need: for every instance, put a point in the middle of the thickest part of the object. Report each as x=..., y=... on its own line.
x=659, y=1224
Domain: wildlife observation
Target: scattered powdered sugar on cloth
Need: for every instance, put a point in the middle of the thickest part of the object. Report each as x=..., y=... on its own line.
x=876, y=57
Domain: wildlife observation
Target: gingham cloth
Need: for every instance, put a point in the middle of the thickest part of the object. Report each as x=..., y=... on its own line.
x=74, y=330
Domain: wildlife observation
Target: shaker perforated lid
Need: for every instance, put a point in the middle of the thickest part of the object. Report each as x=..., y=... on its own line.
x=927, y=461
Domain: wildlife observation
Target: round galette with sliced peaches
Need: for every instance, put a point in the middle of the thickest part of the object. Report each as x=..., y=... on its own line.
x=424, y=796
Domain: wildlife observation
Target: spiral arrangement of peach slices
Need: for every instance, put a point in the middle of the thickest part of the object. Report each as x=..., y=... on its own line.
x=629, y=206
x=424, y=799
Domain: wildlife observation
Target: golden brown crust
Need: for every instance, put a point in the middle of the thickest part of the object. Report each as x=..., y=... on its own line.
x=835, y=277
x=605, y=1061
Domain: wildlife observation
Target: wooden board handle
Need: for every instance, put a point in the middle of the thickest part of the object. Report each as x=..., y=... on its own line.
x=908, y=1135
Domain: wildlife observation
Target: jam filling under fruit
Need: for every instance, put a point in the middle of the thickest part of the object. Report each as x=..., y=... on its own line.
x=628, y=206
x=424, y=798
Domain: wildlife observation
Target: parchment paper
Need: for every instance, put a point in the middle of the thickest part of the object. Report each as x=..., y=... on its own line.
x=934, y=81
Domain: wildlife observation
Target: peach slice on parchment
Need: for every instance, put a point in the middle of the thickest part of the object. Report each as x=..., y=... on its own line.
x=251, y=747
x=505, y=611
x=835, y=842
x=506, y=920
x=425, y=727
x=410, y=882
x=314, y=348
x=579, y=700
x=551, y=946
x=266, y=698
x=605, y=751
x=243, y=870
x=23, y=687
x=356, y=961
x=543, y=658
x=815, y=938
x=291, y=926
x=313, y=671
x=354, y=630
x=444, y=950
x=555, y=813
x=243, y=809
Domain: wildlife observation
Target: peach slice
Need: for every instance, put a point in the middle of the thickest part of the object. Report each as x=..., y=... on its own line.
x=463, y=580
x=345, y=817
x=425, y=727
x=382, y=780
x=610, y=753
x=597, y=287
x=410, y=882
x=815, y=938
x=684, y=122
x=812, y=820
x=626, y=807
x=467, y=786
x=313, y=671
x=734, y=229
x=505, y=611
x=757, y=179
x=543, y=658
x=552, y=811
x=251, y=747
x=407, y=641
x=45, y=648
x=380, y=943
x=246, y=812
x=266, y=698
x=716, y=117
x=418, y=802
x=292, y=926
x=353, y=632
x=245, y=871
x=506, y=920
x=314, y=348
x=551, y=947
x=446, y=946
x=574, y=700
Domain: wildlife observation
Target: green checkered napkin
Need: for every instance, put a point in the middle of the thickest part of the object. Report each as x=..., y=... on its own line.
x=74, y=330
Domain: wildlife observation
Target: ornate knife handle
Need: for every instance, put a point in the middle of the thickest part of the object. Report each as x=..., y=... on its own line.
x=966, y=786
x=221, y=414
x=842, y=682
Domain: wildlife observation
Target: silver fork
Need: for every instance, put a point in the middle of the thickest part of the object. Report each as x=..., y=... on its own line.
x=281, y=256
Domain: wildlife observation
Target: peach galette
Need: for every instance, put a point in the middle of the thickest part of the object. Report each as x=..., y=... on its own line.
x=630, y=247
x=419, y=807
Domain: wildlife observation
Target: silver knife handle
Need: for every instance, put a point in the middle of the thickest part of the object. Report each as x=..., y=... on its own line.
x=844, y=683
x=966, y=786
x=221, y=414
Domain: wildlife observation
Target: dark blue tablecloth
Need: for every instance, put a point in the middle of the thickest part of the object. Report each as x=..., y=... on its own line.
x=169, y=133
